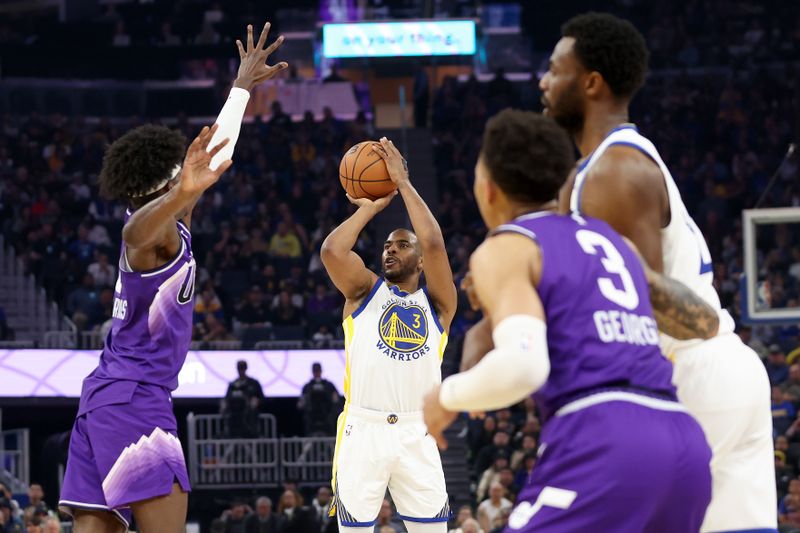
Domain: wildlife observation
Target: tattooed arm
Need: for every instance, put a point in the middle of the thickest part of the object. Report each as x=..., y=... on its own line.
x=679, y=312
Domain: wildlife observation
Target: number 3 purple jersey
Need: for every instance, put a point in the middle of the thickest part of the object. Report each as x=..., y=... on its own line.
x=600, y=326
x=152, y=328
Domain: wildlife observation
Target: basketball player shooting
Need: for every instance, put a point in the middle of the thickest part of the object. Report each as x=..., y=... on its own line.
x=567, y=298
x=395, y=335
x=595, y=71
x=124, y=454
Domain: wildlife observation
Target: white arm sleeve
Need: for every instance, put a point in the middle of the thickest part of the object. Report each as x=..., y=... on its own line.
x=230, y=123
x=518, y=366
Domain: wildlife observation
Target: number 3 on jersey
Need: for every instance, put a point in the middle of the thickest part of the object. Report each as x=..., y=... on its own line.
x=614, y=263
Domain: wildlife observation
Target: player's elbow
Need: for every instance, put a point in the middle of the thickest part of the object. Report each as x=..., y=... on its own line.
x=329, y=252
x=532, y=375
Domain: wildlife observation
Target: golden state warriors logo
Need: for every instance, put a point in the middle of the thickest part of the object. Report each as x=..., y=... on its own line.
x=404, y=329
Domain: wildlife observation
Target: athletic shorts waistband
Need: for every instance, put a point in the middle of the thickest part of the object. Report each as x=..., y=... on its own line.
x=651, y=401
x=384, y=417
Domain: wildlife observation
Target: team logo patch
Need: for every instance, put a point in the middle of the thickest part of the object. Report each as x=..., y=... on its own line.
x=392, y=418
x=404, y=329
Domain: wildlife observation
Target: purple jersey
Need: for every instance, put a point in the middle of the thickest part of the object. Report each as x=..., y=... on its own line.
x=600, y=326
x=151, y=330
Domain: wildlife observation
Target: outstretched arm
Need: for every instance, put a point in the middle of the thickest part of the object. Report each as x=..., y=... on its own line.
x=436, y=265
x=345, y=268
x=252, y=71
x=519, y=364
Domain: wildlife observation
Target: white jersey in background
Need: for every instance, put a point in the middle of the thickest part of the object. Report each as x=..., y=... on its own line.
x=394, y=345
x=721, y=381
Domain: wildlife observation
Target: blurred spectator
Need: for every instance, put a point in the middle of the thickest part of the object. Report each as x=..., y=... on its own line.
x=501, y=521
x=242, y=404
x=388, y=518
x=285, y=243
x=528, y=446
x=783, y=473
x=104, y=274
x=82, y=248
x=789, y=506
x=207, y=303
x=791, y=387
x=8, y=522
x=322, y=336
x=470, y=526
x=255, y=312
x=492, y=474
x=263, y=520
x=36, y=499
x=285, y=309
x=464, y=514
x=490, y=509
x=235, y=518
x=211, y=329
x=322, y=504
x=783, y=412
x=487, y=455
x=6, y=493
x=777, y=370
x=83, y=304
x=319, y=404
x=51, y=525
x=524, y=471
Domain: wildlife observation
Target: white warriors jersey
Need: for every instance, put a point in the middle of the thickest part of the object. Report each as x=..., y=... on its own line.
x=394, y=345
x=685, y=252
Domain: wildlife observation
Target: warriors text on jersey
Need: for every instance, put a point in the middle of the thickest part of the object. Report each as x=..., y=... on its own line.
x=394, y=344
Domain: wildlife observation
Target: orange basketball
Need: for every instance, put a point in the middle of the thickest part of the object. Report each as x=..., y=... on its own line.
x=363, y=173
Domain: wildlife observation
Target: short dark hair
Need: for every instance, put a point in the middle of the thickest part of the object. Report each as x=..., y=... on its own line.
x=241, y=365
x=611, y=46
x=139, y=160
x=528, y=155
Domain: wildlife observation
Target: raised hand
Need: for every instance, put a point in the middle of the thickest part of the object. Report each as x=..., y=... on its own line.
x=253, y=68
x=196, y=176
x=376, y=205
x=395, y=162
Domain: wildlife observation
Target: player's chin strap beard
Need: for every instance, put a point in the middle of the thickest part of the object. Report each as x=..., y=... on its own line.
x=176, y=171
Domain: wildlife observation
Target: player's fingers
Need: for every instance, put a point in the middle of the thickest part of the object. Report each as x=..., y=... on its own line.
x=274, y=46
x=440, y=440
x=262, y=39
x=279, y=66
x=207, y=134
x=225, y=165
x=249, y=37
x=214, y=151
x=241, y=49
x=380, y=151
x=389, y=146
